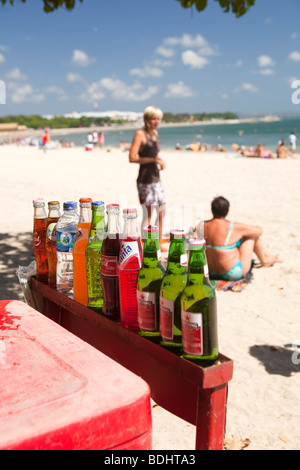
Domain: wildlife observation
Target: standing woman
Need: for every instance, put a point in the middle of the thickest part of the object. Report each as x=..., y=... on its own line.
x=145, y=151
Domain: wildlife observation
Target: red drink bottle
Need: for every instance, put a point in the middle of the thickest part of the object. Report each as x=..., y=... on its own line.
x=109, y=264
x=130, y=262
x=39, y=240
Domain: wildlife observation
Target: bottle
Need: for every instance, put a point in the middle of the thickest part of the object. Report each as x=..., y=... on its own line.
x=130, y=262
x=53, y=216
x=199, y=310
x=148, y=285
x=93, y=257
x=173, y=283
x=66, y=229
x=109, y=264
x=39, y=239
x=79, y=259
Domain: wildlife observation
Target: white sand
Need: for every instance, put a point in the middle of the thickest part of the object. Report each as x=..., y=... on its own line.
x=256, y=327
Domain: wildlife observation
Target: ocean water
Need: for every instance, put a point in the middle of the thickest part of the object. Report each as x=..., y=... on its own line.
x=248, y=134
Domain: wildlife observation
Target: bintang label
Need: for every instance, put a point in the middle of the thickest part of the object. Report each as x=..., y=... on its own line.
x=166, y=318
x=192, y=333
x=146, y=310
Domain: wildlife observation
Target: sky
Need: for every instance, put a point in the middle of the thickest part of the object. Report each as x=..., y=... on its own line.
x=128, y=54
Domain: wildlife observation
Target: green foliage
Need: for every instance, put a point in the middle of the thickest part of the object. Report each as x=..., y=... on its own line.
x=239, y=7
x=186, y=117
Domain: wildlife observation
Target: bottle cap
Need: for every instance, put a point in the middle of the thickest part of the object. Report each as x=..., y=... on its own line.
x=70, y=205
x=53, y=203
x=177, y=233
x=85, y=199
x=38, y=202
x=97, y=203
x=150, y=228
x=113, y=206
x=130, y=213
x=196, y=242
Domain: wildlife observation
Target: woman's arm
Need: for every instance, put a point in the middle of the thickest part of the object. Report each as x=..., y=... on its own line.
x=134, y=150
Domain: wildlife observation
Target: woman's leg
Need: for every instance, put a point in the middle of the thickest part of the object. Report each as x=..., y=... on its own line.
x=255, y=245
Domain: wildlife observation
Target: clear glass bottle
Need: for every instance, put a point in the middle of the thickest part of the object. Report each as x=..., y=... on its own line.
x=53, y=216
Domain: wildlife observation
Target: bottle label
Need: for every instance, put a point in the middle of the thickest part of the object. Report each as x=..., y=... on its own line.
x=65, y=241
x=183, y=260
x=166, y=318
x=146, y=310
x=192, y=333
x=109, y=265
x=128, y=250
x=159, y=255
x=205, y=270
x=51, y=232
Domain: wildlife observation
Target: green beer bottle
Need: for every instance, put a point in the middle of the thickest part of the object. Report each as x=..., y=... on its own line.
x=173, y=283
x=199, y=310
x=93, y=257
x=148, y=285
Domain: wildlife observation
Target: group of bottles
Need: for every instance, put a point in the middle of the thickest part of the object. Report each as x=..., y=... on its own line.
x=125, y=280
x=78, y=253
x=177, y=308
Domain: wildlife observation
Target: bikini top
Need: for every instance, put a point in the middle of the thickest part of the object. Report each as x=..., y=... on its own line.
x=225, y=246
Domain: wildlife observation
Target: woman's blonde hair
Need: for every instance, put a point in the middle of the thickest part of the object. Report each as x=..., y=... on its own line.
x=151, y=111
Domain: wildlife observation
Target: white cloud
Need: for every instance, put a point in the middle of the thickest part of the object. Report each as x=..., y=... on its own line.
x=15, y=74
x=165, y=52
x=266, y=71
x=74, y=77
x=295, y=56
x=239, y=63
x=246, y=87
x=179, y=90
x=18, y=93
x=81, y=58
x=294, y=35
x=147, y=71
x=191, y=58
x=2, y=58
x=187, y=40
x=59, y=92
x=118, y=90
x=265, y=61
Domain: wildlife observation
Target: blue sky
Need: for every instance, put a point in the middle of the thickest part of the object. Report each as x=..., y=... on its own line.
x=128, y=54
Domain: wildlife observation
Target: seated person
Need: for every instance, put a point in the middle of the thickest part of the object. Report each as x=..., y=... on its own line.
x=282, y=151
x=230, y=246
x=260, y=152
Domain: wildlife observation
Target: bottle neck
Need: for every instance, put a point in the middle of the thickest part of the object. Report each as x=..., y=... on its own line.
x=98, y=222
x=198, y=269
x=151, y=252
x=112, y=223
x=54, y=212
x=85, y=214
x=177, y=259
x=40, y=212
x=130, y=227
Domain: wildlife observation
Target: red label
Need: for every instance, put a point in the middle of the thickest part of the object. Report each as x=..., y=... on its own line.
x=146, y=310
x=192, y=340
x=109, y=265
x=166, y=318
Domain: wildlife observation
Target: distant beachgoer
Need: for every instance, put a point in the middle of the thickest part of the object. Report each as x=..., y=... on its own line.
x=144, y=150
x=282, y=151
x=292, y=140
x=230, y=246
x=260, y=152
x=101, y=139
x=95, y=138
x=45, y=139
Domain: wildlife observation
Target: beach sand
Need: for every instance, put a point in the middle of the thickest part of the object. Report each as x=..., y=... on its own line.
x=257, y=327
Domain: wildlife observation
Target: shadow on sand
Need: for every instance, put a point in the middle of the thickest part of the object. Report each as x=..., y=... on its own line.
x=278, y=360
x=15, y=250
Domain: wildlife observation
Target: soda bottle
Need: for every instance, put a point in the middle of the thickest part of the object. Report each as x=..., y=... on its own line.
x=79, y=259
x=148, y=285
x=66, y=229
x=39, y=239
x=199, y=310
x=109, y=264
x=130, y=262
x=53, y=216
x=93, y=257
x=173, y=283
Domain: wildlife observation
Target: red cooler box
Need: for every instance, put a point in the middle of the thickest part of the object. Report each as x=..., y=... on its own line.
x=58, y=392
